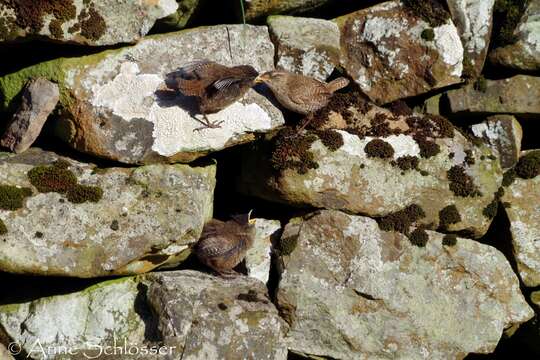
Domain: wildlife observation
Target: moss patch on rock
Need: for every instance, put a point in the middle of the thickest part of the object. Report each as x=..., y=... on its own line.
x=431, y=11
x=506, y=17
x=401, y=220
x=419, y=237
x=30, y=14
x=93, y=25
x=428, y=34
x=3, y=228
x=58, y=178
x=462, y=184
x=449, y=240
x=378, y=148
x=12, y=197
x=330, y=138
x=528, y=166
x=509, y=177
x=407, y=162
x=449, y=215
x=480, y=84
x=287, y=245
x=291, y=151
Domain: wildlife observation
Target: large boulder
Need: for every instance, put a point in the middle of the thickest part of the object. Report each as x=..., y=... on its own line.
x=522, y=205
x=518, y=95
x=352, y=291
x=88, y=22
x=115, y=104
x=474, y=20
x=68, y=218
x=374, y=162
x=524, y=53
x=184, y=314
x=305, y=46
x=392, y=52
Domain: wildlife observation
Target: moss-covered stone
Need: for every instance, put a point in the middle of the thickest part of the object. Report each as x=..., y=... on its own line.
x=287, y=244
x=407, y=162
x=12, y=197
x=30, y=14
x=432, y=11
x=3, y=228
x=490, y=211
x=509, y=177
x=291, y=151
x=428, y=34
x=402, y=220
x=378, y=148
x=79, y=194
x=480, y=84
x=506, y=17
x=462, y=184
x=449, y=215
x=330, y=138
x=528, y=166
x=93, y=25
x=427, y=148
x=419, y=237
x=449, y=240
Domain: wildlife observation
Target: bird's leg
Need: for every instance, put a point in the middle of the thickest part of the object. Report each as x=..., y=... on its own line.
x=228, y=274
x=207, y=124
x=306, y=123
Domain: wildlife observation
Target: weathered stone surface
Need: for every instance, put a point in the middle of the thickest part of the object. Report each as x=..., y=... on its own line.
x=114, y=104
x=182, y=16
x=258, y=258
x=351, y=179
x=146, y=217
x=474, y=22
x=186, y=314
x=524, y=54
x=518, y=95
x=503, y=133
x=5, y=353
x=352, y=291
x=523, y=210
x=39, y=99
x=384, y=51
x=305, y=46
x=212, y=318
x=89, y=22
x=255, y=9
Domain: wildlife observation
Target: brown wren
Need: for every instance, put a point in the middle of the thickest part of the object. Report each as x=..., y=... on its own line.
x=214, y=86
x=223, y=244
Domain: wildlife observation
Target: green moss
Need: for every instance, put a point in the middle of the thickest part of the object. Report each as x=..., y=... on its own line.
x=79, y=194
x=30, y=14
x=428, y=34
x=93, y=25
x=449, y=240
x=12, y=197
x=448, y=216
x=3, y=228
x=402, y=220
x=427, y=148
x=419, y=237
x=287, y=245
x=480, y=84
x=491, y=210
x=469, y=70
x=461, y=184
x=291, y=151
x=528, y=166
x=330, y=138
x=506, y=16
x=407, y=162
x=431, y=11
x=509, y=177
x=378, y=148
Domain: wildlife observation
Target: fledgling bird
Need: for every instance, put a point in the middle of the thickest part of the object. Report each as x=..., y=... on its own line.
x=214, y=86
x=223, y=244
x=299, y=93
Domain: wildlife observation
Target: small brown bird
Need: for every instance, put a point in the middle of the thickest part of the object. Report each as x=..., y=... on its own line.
x=215, y=86
x=223, y=244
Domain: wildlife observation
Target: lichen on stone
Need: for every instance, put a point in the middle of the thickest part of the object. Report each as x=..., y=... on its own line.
x=449, y=215
x=378, y=148
x=291, y=151
x=401, y=220
x=528, y=166
x=462, y=184
x=449, y=240
x=12, y=197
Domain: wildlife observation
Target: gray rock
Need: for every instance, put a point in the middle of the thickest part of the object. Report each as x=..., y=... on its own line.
x=518, y=95
x=523, y=210
x=524, y=54
x=186, y=314
x=115, y=104
x=352, y=291
x=350, y=179
x=39, y=99
x=258, y=258
x=384, y=51
x=88, y=22
x=256, y=9
x=305, y=46
x=181, y=18
x=503, y=133
x=474, y=22
x=146, y=217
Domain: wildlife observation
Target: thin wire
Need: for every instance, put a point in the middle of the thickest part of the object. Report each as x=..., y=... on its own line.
x=243, y=13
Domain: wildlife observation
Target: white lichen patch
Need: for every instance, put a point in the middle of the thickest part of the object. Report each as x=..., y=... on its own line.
x=450, y=47
x=258, y=258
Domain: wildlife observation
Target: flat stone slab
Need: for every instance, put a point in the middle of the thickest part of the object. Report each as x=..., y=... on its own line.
x=116, y=105
x=88, y=22
x=145, y=217
x=352, y=291
x=392, y=53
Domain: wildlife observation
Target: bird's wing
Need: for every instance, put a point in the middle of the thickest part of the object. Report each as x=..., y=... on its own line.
x=202, y=69
x=307, y=91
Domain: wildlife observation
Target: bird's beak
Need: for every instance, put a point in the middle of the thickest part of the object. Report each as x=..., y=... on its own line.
x=260, y=79
x=250, y=220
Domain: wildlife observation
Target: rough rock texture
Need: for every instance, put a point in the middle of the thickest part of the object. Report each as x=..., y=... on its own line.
x=473, y=19
x=519, y=95
x=352, y=291
x=523, y=210
x=256, y=9
x=146, y=216
x=258, y=258
x=350, y=179
x=211, y=318
x=385, y=49
x=115, y=104
x=503, y=133
x=89, y=22
x=38, y=100
x=186, y=10
x=5, y=354
x=524, y=54
x=305, y=46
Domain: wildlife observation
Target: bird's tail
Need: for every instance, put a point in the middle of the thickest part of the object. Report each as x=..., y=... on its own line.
x=337, y=84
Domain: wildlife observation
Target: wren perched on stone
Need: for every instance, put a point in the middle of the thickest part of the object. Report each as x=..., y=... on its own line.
x=214, y=86
x=223, y=244
x=298, y=93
